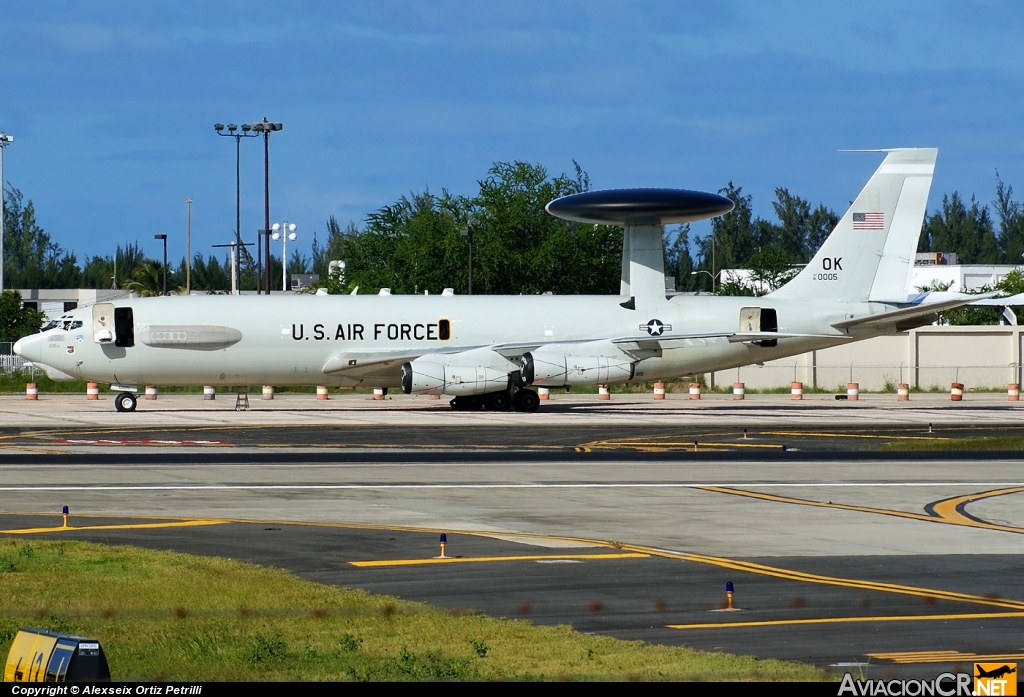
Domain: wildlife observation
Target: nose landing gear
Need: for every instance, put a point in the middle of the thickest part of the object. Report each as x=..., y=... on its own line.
x=125, y=401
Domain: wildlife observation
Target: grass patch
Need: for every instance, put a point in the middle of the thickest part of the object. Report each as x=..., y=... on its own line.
x=169, y=616
x=972, y=443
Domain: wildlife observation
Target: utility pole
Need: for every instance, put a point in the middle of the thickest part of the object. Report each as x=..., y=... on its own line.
x=188, y=250
x=5, y=140
x=164, y=239
x=266, y=128
x=234, y=133
x=468, y=234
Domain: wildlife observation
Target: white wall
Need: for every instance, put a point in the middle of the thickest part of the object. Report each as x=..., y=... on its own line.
x=985, y=357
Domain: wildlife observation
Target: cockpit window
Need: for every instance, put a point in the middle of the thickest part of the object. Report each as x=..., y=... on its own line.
x=52, y=324
x=67, y=324
x=76, y=324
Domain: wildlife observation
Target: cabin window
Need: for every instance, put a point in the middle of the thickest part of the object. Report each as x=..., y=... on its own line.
x=444, y=330
x=124, y=327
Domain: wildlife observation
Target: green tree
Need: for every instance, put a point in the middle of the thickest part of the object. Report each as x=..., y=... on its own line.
x=733, y=238
x=31, y=258
x=417, y=245
x=213, y=277
x=1011, y=223
x=966, y=231
x=678, y=262
x=17, y=321
x=148, y=280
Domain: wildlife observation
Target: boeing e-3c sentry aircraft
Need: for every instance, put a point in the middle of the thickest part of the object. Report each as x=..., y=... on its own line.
x=487, y=351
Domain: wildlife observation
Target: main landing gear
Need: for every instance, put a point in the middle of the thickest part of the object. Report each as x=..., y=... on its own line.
x=125, y=401
x=522, y=400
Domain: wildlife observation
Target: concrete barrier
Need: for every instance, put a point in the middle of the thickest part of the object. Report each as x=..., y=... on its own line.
x=378, y=393
x=739, y=390
x=956, y=392
x=209, y=392
x=659, y=390
x=796, y=390
x=268, y=392
x=321, y=392
x=31, y=391
x=603, y=393
x=92, y=391
x=543, y=393
x=1013, y=392
x=853, y=391
x=694, y=390
x=150, y=392
x=903, y=392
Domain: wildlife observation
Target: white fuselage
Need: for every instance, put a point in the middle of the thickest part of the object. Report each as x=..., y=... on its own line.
x=288, y=339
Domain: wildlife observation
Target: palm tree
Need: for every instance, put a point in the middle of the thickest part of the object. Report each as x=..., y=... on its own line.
x=147, y=279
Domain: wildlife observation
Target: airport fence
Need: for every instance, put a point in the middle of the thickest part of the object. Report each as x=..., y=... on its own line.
x=10, y=363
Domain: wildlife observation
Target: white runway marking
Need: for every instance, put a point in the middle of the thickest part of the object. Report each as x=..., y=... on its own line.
x=639, y=485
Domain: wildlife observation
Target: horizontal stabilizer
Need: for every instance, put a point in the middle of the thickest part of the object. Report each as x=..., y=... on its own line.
x=908, y=313
x=1010, y=301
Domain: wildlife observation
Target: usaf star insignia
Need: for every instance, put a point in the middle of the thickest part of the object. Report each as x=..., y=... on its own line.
x=655, y=327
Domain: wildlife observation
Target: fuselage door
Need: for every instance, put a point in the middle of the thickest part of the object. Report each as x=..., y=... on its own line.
x=124, y=327
x=760, y=319
x=103, y=323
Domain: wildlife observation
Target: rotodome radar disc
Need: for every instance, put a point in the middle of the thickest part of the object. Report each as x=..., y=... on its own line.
x=640, y=206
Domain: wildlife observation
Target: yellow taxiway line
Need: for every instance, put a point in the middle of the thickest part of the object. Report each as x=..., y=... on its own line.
x=533, y=557
x=944, y=511
x=848, y=435
x=945, y=657
x=842, y=620
x=129, y=526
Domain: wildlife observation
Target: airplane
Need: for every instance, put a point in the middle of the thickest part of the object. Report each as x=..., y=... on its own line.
x=994, y=673
x=489, y=351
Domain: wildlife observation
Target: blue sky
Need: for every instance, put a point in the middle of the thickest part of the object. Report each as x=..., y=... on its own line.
x=112, y=105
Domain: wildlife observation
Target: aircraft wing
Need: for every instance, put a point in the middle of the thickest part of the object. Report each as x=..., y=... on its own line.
x=359, y=362
x=913, y=312
x=733, y=337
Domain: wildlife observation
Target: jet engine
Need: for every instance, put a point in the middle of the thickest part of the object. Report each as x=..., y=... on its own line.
x=423, y=376
x=550, y=368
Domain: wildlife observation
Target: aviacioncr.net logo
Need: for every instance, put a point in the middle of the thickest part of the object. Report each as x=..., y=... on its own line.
x=945, y=685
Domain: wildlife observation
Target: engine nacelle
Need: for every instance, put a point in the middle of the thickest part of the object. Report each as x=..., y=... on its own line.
x=553, y=369
x=423, y=376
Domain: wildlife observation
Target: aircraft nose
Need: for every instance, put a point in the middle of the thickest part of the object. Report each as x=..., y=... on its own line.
x=29, y=347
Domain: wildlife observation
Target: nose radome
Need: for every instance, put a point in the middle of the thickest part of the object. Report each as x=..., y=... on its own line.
x=28, y=347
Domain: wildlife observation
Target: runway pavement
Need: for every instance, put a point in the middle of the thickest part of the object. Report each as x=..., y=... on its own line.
x=840, y=553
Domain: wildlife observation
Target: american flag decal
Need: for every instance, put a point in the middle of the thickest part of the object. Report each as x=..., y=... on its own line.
x=869, y=221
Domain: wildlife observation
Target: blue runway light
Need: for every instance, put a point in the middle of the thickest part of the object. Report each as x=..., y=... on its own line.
x=729, y=587
x=444, y=538
x=783, y=448
x=65, y=511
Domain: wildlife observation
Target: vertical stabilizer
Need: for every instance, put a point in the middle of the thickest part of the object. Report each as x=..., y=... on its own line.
x=870, y=253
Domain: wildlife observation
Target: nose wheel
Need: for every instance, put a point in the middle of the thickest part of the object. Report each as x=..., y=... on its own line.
x=125, y=401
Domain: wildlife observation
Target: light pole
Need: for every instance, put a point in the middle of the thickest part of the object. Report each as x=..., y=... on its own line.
x=468, y=234
x=188, y=249
x=5, y=140
x=713, y=276
x=164, y=238
x=284, y=232
x=233, y=132
x=266, y=128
